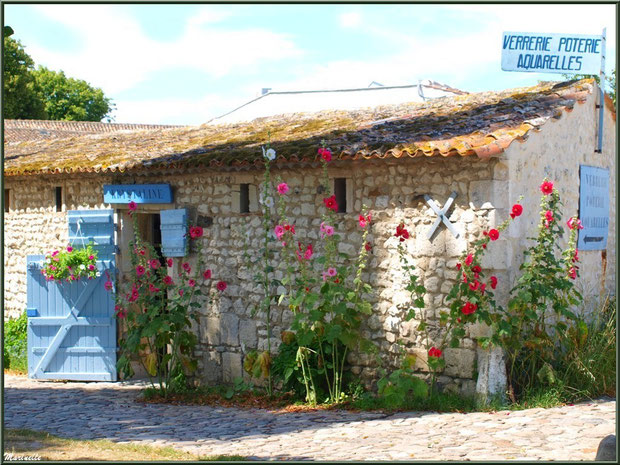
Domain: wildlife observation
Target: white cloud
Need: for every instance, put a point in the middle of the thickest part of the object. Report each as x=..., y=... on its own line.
x=350, y=20
x=116, y=55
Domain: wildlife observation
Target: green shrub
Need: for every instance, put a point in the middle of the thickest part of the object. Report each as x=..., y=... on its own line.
x=16, y=344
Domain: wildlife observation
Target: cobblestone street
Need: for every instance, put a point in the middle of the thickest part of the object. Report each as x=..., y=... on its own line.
x=109, y=411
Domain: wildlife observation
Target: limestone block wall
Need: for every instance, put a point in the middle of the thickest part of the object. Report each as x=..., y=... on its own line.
x=393, y=190
x=552, y=153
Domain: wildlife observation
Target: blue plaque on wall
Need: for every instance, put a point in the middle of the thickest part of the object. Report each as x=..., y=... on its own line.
x=593, y=207
x=139, y=193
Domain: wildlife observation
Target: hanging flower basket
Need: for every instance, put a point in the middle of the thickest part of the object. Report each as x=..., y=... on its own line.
x=71, y=264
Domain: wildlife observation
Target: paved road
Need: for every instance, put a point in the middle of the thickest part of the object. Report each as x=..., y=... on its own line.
x=109, y=411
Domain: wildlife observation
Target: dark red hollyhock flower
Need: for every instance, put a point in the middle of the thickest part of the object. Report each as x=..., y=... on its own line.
x=195, y=232
x=368, y=246
x=401, y=232
x=516, y=210
x=476, y=269
x=330, y=202
x=473, y=286
x=468, y=308
x=221, y=286
x=434, y=352
x=493, y=281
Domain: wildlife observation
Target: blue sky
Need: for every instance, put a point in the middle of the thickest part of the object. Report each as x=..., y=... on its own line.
x=184, y=64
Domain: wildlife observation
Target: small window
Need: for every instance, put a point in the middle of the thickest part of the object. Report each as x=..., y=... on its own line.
x=58, y=199
x=340, y=191
x=244, y=198
x=7, y=200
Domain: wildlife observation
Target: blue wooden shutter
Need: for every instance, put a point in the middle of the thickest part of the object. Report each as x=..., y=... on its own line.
x=95, y=226
x=72, y=330
x=174, y=232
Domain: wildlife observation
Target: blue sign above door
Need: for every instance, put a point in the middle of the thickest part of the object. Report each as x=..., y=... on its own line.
x=139, y=193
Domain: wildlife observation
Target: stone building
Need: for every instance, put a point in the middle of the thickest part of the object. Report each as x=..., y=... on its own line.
x=488, y=148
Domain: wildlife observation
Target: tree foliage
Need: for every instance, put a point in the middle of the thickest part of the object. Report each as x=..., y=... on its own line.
x=42, y=93
x=22, y=98
x=70, y=99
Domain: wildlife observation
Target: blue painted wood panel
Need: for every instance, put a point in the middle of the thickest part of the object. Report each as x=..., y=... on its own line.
x=174, y=232
x=73, y=336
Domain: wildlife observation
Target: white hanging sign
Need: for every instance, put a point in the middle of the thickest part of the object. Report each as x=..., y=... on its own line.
x=552, y=53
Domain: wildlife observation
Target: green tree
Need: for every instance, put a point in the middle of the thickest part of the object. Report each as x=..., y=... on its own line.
x=22, y=98
x=71, y=99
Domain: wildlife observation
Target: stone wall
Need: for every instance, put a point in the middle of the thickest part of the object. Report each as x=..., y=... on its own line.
x=392, y=190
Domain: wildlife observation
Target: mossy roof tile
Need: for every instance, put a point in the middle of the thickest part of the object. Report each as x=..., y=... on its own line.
x=482, y=124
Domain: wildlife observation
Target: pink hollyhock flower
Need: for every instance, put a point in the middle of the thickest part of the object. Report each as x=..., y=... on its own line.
x=329, y=230
x=325, y=154
x=140, y=270
x=181, y=292
x=69, y=249
x=330, y=202
x=168, y=280
x=572, y=273
x=362, y=221
x=516, y=210
x=549, y=215
x=469, y=260
x=142, y=252
x=493, y=234
x=108, y=285
x=221, y=286
x=309, y=251
x=195, y=232
x=154, y=263
x=576, y=256
x=493, y=281
x=186, y=267
x=283, y=188
x=279, y=231
x=132, y=206
x=325, y=276
x=434, y=352
x=331, y=271
x=573, y=223
x=546, y=187
x=169, y=262
x=191, y=283
x=207, y=274
x=153, y=289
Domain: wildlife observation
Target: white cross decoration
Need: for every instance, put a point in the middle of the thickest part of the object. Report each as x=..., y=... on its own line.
x=441, y=215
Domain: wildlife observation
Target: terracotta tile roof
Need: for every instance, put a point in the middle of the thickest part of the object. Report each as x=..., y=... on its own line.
x=480, y=124
x=20, y=130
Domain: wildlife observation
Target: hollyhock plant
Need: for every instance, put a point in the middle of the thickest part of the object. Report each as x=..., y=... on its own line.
x=330, y=202
x=546, y=187
x=195, y=232
x=283, y=188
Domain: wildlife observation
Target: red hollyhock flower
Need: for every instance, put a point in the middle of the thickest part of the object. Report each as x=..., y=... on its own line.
x=132, y=206
x=469, y=260
x=458, y=266
x=494, y=234
x=191, y=283
x=434, y=352
x=572, y=273
x=546, y=187
x=368, y=246
x=401, y=232
x=468, y=308
x=221, y=286
x=154, y=263
x=493, y=281
x=207, y=274
x=195, y=232
x=168, y=281
x=473, y=286
x=476, y=269
x=482, y=287
x=169, y=262
x=516, y=210
x=186, y=267
x=330, y=202
x=140, y=270
x=325, y=154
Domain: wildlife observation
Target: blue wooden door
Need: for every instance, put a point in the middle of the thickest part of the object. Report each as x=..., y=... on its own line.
x=71, y=325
